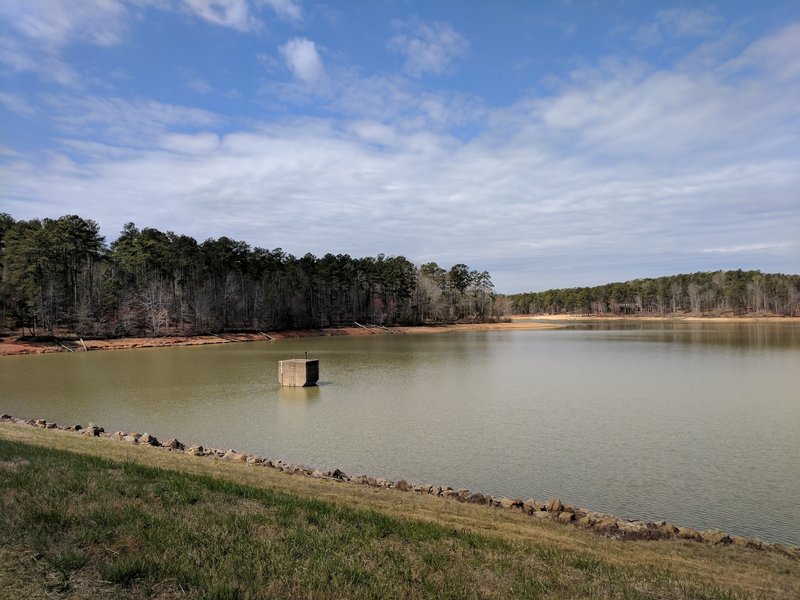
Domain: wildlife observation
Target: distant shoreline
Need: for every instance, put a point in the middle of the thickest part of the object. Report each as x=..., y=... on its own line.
x=665, y=318
x=14, y=345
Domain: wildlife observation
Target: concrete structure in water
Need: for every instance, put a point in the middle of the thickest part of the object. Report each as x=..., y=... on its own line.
x=298, y=372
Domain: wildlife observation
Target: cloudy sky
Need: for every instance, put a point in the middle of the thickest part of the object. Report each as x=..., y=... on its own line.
x=550, y=143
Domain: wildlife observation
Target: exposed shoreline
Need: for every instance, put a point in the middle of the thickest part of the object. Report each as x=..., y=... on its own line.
x=679, y=318
x=603, y=524
x=14, y=345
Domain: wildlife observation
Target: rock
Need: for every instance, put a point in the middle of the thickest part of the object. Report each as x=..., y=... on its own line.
x=91, y=425
x=40, y=423
x=509, y=503
x=606, y=525
x=715, y=536
x=5, y=417
x=543, y=514
x=633, y=526
x=196, y=451
x=383, y=482
x=424, y=489
x=402, y=485
x=359, y=479
x=51, y=426
x=372, y=482
x=586, y=521
x=463, y=494
x=566, y=517
x=149, y=440
x=317, y=474
x=173, y=444
x=554, y=505
x=477, y=498
x=688, y=533
x=668, y=528
x=740, y=540
x=91, y=430
x=531, y=506
x=234, y=456
x=449, y=493
x=131, y=439
x=789, y=551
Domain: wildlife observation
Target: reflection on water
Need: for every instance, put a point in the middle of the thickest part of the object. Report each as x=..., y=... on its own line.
x=695, y=423
x=298, y=394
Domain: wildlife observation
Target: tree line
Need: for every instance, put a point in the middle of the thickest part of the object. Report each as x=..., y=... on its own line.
x=708, y=293
x=59, y=275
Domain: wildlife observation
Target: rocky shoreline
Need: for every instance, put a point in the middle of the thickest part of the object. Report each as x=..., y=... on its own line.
x=553, y=509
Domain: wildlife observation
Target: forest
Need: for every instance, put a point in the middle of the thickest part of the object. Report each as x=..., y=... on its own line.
x=59, y=275
x=716, y=293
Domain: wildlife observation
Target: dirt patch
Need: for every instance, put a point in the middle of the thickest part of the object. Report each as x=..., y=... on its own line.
x=16, y=345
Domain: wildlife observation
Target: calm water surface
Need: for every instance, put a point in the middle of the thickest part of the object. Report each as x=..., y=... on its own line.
x=698, y=424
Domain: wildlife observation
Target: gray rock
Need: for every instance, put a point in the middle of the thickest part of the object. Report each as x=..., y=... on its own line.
x=554, y=505
x=149, y=440
x=174, y=444
x=531, y=506
x=402, y=485
x=606, y=525
x=688, y=533
x=715, y=536
x=509, y=503
x=234, y=456
x=566, y=516
x=477, y=498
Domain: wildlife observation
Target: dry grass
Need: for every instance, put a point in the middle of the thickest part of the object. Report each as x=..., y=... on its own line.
x=82, y=526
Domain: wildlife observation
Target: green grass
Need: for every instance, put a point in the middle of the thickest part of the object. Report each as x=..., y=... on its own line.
x=80, y=526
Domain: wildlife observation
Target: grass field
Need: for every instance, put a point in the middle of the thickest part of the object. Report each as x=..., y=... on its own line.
x=93, y=518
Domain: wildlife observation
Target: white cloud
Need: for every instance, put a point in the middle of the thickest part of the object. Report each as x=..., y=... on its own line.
x=17, y=104
x=225, y=13
x=200, y=86
x=428, y=48
x=303, y=60
x=688, y=22
x=122, y=122
x=36, y=32
x=778, y=54
x=623, y=167
x=677, y=22
x=242, y=14
x=289, y=10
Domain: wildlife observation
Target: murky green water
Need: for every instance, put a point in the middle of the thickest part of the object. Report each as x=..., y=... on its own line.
x=698, y=424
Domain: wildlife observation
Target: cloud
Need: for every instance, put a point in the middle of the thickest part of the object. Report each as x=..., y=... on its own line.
x=242, y=14
x=428, y=48
x=225, y=13
x=688, y=22
x=289, y=10
x=33, y=33
x=200, y=86
x=624, y=169
x=17, y=104
x=121, y=122
x=677, y=23
x=303, y=60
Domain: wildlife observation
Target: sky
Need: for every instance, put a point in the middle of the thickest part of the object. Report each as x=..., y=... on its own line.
x=553, y=144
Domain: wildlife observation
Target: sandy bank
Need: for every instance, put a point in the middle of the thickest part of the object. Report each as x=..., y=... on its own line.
x=666, y=318
x=15, y=345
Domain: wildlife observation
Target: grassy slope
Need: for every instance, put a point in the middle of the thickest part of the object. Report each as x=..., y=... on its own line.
x=105, y=519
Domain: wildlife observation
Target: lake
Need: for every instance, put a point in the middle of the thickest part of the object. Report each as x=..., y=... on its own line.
x=694, y=423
